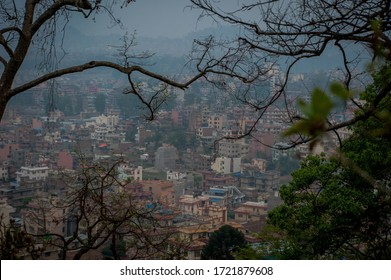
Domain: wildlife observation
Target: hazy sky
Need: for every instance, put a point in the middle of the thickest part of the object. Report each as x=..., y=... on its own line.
x=150, y=18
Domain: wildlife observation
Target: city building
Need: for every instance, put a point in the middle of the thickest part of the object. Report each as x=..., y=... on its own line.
x=227, y=196
x=225, y=165
x=38, y=173
x=250, y=212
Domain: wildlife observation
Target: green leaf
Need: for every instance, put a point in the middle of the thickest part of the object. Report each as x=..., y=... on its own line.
x=304, y=107
x=301, y=126
x=321, y=104
x=315, y=115
x=339, y=90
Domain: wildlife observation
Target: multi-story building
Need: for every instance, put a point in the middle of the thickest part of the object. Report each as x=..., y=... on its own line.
x=205, y=113
x=250, y=212
x=207, y=135
x=227, y=196
x=194, y=205
x=162, y=191
x=38, y=173
x=109, y=121
x=216, y=121
x=275, y=115
x=4, y=175
x=225, y=165
x=174, y=175
x=211, y=179
x=232, y=148
x=128, y=172
x=202, y=207
x=254, y=183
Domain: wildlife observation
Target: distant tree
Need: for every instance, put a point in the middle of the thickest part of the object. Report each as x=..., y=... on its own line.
x=179, y=138
x=287, y=164
x=33, y=26
x=223, y=243
x=100, y=103
x=130, y=134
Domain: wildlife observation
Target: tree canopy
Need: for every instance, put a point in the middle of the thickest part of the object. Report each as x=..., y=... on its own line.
x=340, y=207
x=223, y=243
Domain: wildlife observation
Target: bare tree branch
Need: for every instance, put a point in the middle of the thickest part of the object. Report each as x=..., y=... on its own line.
x=94, y=64
x=295, y=30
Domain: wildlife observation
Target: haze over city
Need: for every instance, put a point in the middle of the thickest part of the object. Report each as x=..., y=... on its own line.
x=215, y=130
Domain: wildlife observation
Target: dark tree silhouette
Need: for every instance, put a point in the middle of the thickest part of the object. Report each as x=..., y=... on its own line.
x=15, y=243
x=29, y=24
x=99, y=213
x=223, y=243
x=339, y=207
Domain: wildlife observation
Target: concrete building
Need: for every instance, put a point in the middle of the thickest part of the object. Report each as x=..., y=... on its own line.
x=128, y=172
x=256, y=183
x=109, y=121
x=65, y=160
x=175, y=176
x=202, y=207
x=39, y=173
x=194, y=205
x=4, y=174
x=211, y=179
x=225, y=165
x=232, y=149
x=256, y=164
x=250, y=212
x=162, y=191
x=207, y=135
x=226, y=196
x=216, y=121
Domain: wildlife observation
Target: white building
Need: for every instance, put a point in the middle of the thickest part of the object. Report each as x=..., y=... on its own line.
x=106, y=129
x=109, y=121
x=39, y=173
x=225, y=165
x=174, y=175
x=127, y=172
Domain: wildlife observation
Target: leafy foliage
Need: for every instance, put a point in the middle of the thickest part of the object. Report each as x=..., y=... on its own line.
x=100, y=103
x=340, y=207
x=223, y=243
x=315, y=114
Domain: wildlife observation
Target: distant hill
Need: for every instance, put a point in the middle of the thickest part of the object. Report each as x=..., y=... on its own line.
x=170, y=54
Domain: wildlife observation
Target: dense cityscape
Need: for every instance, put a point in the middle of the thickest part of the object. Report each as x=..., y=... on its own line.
x=254, y=130
x=180, y=164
